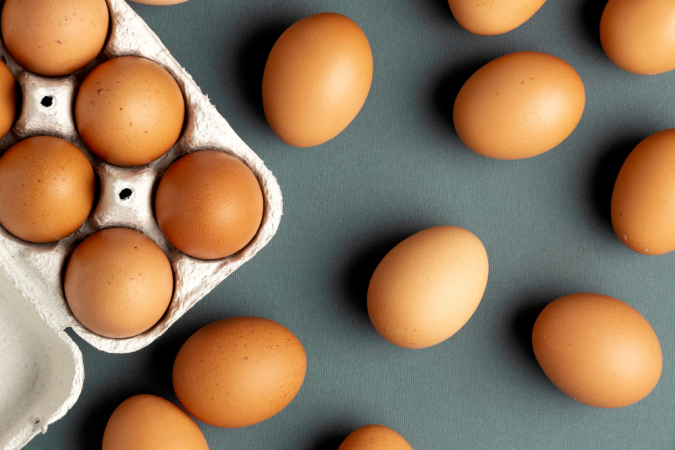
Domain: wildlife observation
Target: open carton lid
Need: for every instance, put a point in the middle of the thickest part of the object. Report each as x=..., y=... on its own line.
x=41, y=374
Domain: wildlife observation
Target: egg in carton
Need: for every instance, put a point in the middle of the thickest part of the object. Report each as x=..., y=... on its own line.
x=41, y=373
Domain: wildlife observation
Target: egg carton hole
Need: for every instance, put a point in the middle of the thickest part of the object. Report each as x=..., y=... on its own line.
x=125, y=194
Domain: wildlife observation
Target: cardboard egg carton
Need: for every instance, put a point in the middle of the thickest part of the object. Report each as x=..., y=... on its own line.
x=41, y=372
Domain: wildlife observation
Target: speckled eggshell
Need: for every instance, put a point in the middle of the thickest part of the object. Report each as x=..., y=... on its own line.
x=239, y=371
x=643, y=200
x=47, y=189
x=489, y=18
x=316, y=79
x=7, y=99
x=118, y=282
x=597, y=349
x=209, y=204
x=519, y=105
x=54, y=37
x=129, y=111
x=638, y=35
x=148, y=422
x=374, y=437
x=428, y=286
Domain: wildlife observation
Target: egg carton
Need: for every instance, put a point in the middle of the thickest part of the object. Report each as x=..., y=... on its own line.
x=41, y=369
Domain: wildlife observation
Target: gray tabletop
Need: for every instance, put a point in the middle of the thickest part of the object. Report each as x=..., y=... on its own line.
x=397, y=169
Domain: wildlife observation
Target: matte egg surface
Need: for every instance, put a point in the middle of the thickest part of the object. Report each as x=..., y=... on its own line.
x=643, y=200
x=597, y=349
x=47, y=189
x=519, y=105
x=493, y=17
x=129, y=111
x=239, y=371
x=316, y=79
x=148, y=422
x=118, y=282
x=54, y=37
x=428, y=286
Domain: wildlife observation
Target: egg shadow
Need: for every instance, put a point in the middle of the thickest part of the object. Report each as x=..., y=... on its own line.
x=516, y=332
x=359, y=261
x=98, y=412
x=604, y=177
x=438, y=9
x=590, y=13
x=330, y=440
x=252, y=57
x=444, y=90
x=161, y=354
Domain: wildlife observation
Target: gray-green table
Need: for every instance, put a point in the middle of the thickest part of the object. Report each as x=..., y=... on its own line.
x=397, y=169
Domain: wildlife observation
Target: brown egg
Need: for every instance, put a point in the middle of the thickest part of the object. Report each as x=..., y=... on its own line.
x=54, y=37
x=643, y=200
x=428, y=286
x=638, y=35
x=239, y=371
x=597, y=349
x=209, y=204
x=375, y=437
x=489, y=18
x=129, y=111
x=316, y=79
x=519, y=105
x=7, y=99
x=148, y=422
x=46, y=189
x=118, y=283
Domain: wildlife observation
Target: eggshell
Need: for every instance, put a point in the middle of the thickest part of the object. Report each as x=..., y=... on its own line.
x=374, y=437
x=597, y=349
x=118, y=282
x=493, y=17
x=129, y=111
x=54, y=37
x=46, y=189
x=519, y=105
x=239, y=371
x=209, y=204
x=316, y=79
x=148, y=422
x=638, y=35
x=428, y=286
x=7, y=99
x=643, y=200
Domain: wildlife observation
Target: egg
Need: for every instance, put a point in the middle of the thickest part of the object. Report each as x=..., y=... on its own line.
x=638, y=35
x=374, y=437
x=428, y=286
x=148, y=422
x=597, y=349
x=7, y=99
x=54, y=37
x=239, y=371
x=643, y=200
x=316, y=79
x=209, y=204
x=47, y=189
x=519, y=105
x=493, y=17
x=129, y=111
x=118, y=282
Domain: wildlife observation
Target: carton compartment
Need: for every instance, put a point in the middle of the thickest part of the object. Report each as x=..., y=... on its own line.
x=41, y=372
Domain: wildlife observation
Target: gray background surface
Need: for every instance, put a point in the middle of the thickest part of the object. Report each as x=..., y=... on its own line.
x=397, y=169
